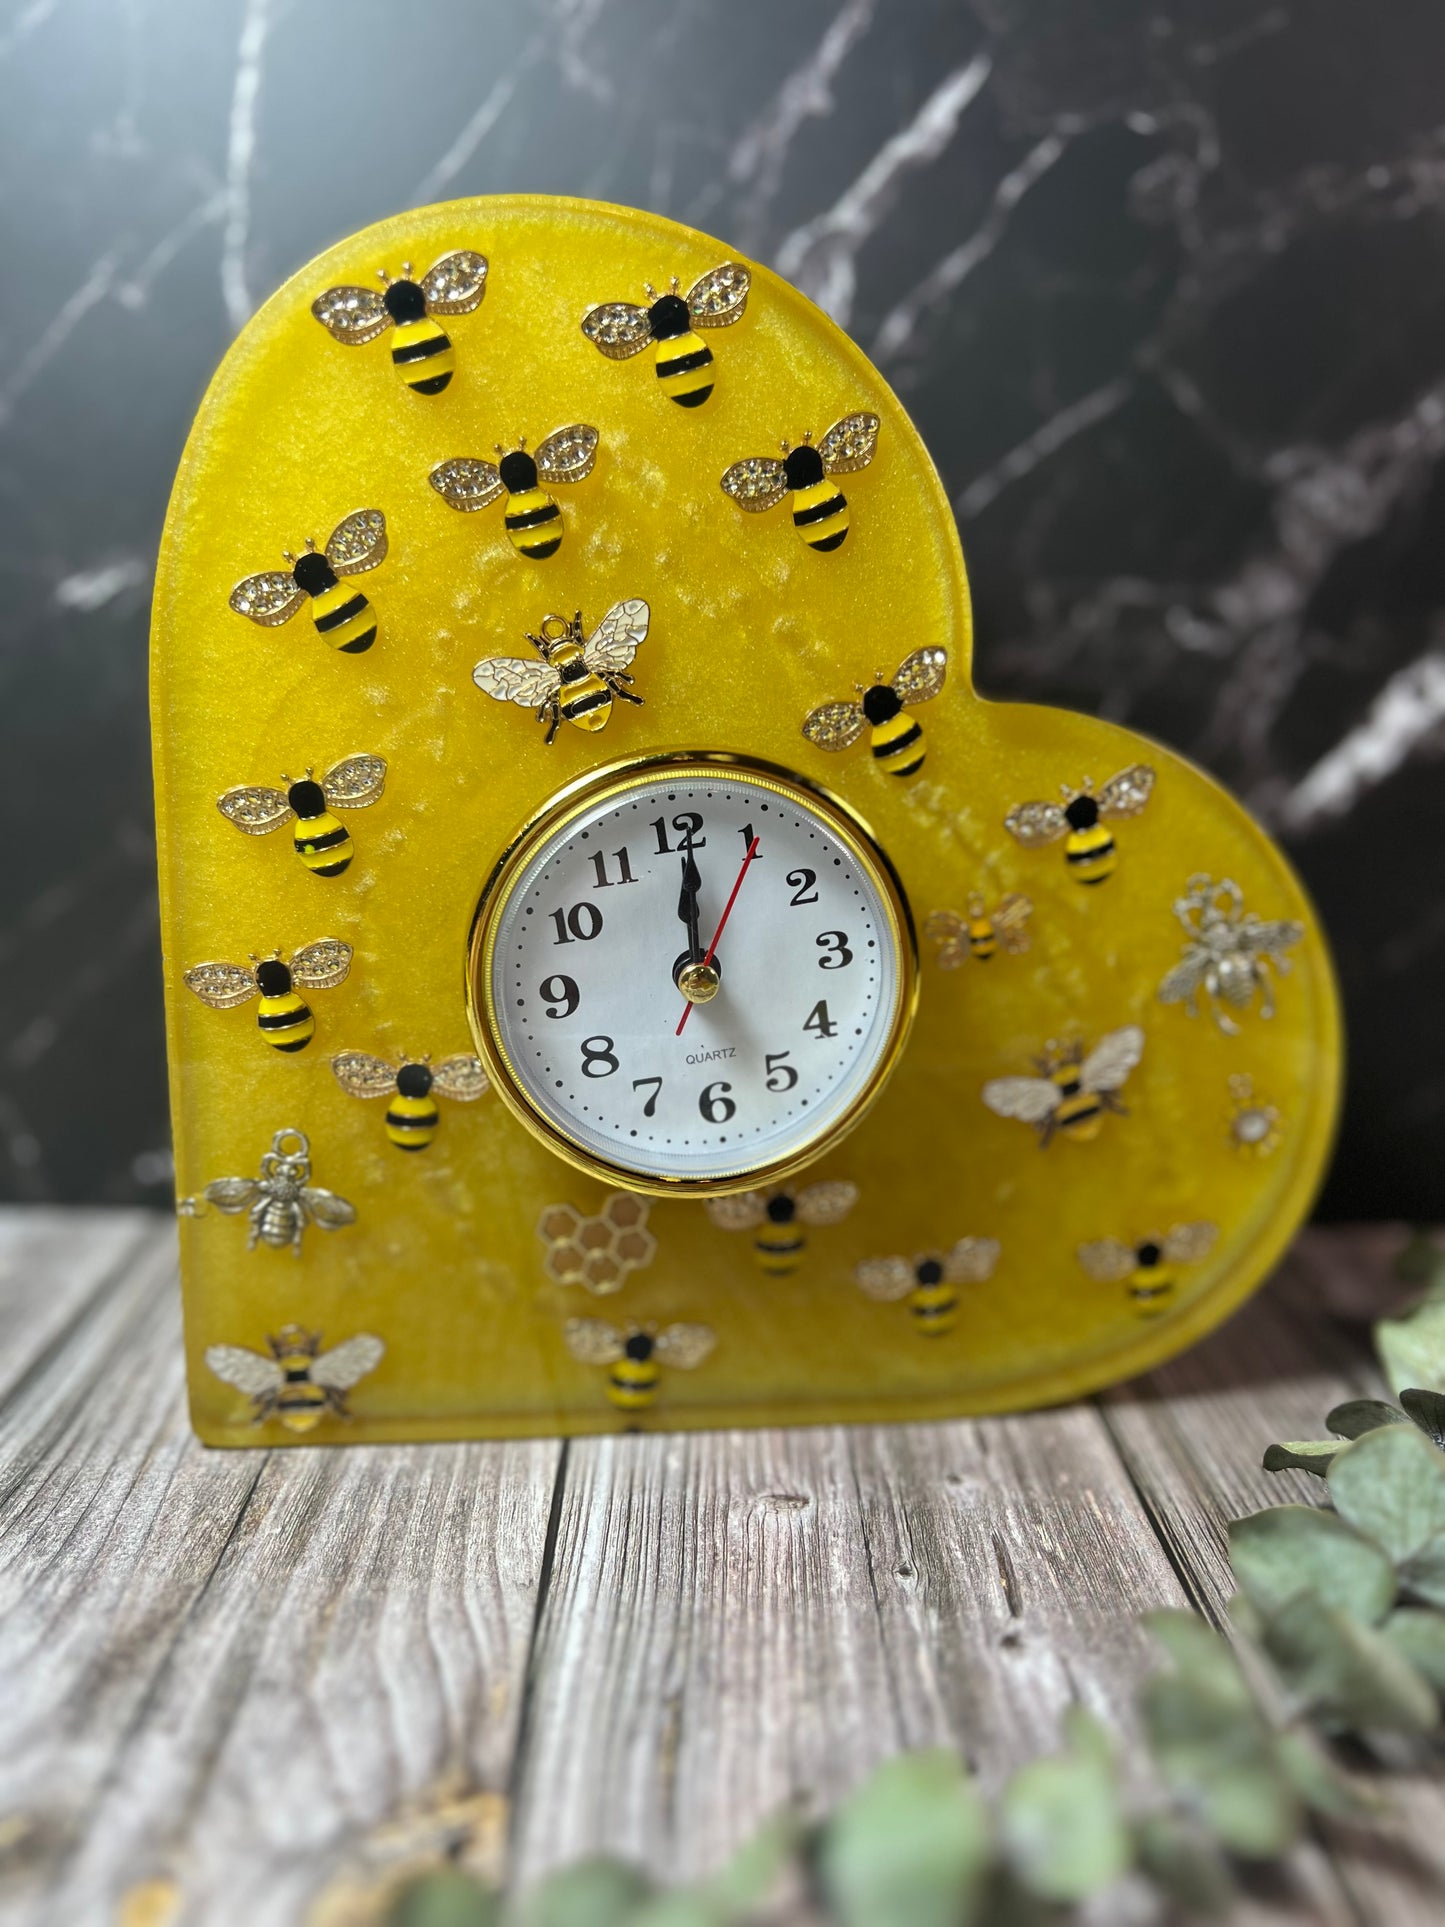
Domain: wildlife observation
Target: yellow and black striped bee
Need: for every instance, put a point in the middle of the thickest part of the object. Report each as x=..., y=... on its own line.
x=284, y=1018
x=684, y=363
x=820, y=509
x=412, y=1116
x=929, y=1281
x=321, y=843
x=299, y=1383
x=780, y=1244
x=983, y=932
x=636, y=1355
x=1074, y=1091
x=575, y=681
x=1088, y=847
x=533, y=520
x=897, y=739
x=1150, y=1266
x=342, y=615
x=421, y=349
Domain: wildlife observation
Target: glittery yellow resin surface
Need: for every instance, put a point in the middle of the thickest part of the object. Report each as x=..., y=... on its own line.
x=749, y=631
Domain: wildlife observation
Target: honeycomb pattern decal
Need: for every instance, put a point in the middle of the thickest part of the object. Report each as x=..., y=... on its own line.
x=597, y=1253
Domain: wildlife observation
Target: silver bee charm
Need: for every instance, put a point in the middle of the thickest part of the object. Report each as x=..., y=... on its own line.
x=280, y=1201
x=1229, y=953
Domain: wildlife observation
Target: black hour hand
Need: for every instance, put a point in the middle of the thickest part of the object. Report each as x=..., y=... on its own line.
x=688, y=909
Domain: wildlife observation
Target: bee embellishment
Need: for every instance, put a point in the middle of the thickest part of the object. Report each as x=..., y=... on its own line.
x=1151, y=1266
x=281, y=1201
x=343, y=616
x=897, y=738
x=533, y=520
x=1255, y=1125
x=1073, y=1091
x=635, y=1356
x=1229, y=953
x=321, y=842
x=421, y=349
x=1088, y=846
x=576, y=681
x=820, y=509
x=412, y=1116
x=298, y=1383
x=781, y=1220
x=620, y=329
x=929, y=1282
x=284, y=1017
x=983, y=932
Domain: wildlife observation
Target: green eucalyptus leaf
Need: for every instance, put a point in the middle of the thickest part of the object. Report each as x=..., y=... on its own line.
x=1427, y=1410
x=1349, y=1675
x=1316, y=1778
x=445, y=1897
x=752, y=1873
x=1360, y=1415
x=1200, y=1654
x=1391, y=1485
x=1412, y=1349
x=1301, y=1455
x=1423, y=1575
x=908, y=1849
x=1293, y=1549
x=1214, y=1749
x=1184, y=1864
x=598, y=1892
x=1062, y=1827
x=1419, y=1634
x=682, y=1907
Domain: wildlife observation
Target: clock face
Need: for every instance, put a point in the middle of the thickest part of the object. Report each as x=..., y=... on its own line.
x=596, y=916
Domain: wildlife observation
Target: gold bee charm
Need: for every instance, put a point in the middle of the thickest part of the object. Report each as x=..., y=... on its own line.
x=1150, y=1266
x=532, y=520
x=636, y=1355
x=576, y=681
x=284, y=1018
x=620, y=329
x=1074, y=1091
x=820, y=510
x=597, y=1253
x=1088, y=847
x=299, y=1383
x=281, y=1201
x=412, y=1116
x=1229, y=953
x=983, y=932
x=321, y=843
x=896, y=739
x=1255, y=1127
x=929, y=1281
x=343, y=616
x=421, y=349
x=784, y=1215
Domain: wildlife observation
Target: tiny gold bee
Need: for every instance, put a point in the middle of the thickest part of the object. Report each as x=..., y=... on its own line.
x=321, y=843
x=412, y=1116
x=636, y=1355
x=621, y=329
x=284, y=1017
x=897, y=739
x=1229, y=953
x=929, y=1281
x=778, y=1248
x=1151, y=1265
x=343, y=616
x=1255, y=1127
x=532, y=520
x=576, y=681
x=820, y=510
x=421, y=349
x=1088, y=847
x=1074, y=1091
x=983, y=932
x=597, y=1253
x=281, y=1201
x=299, y=1383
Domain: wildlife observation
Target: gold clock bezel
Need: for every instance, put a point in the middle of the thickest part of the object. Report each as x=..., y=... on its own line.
x=600, y=786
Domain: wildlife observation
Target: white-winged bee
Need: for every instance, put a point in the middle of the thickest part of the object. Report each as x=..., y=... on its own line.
x=1088, y=847
x=576, y=681
x=533, y=520
x=281, y=1201
x=820, y=508
x=783, y=1216
x=929, y=1281
x=684, y=362
x=636, y=1355
x=321, y=843
x=1150, y=1266
x=342, y=615
x=299, y=1383
x=421, y=349
x=1073, y=1091
x=598, y=1252
x=412, y=1116
x=1229, y=952
x=284, y=1017
x=897, y=738
x=982, y=933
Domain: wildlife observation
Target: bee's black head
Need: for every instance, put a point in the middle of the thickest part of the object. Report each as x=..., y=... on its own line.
x=930, y=1272
x=1082, y=813
x=313, y=573
x=413, y=1080
x=669, y=317
x=880, y=705
x=639, y=1348
x=273, y=979
x=1148, y=1255
x=519, y=472
x=308, y=799
x=804, y=466
x=404, y=301
x=781, y=1209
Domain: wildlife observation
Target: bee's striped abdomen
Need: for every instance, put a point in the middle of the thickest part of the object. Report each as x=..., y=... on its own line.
x=300, y=1405
x=411, y=1122
x=344, y=618
x=982, y=938
x=1080, y=1115
x=286, y=1022
x=934, y=1308
x=1151, y=1287
x=534, y=524
x=684, y=367
x=323, y=845
x=584, y=698
x=423, y=355
x=1090, y=854
x=632, y=1383
x=779, y=1252
x=820, y=515
x=898, y=745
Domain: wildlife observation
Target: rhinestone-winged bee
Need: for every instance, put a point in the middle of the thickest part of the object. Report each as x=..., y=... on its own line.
x=412, y=1116
x=533, y=520
x=621, y=329
x=1074, y=1091
x=1229, y=953
x=342, y=615
x=896, y=738
x=1088, y=846
x=783, y=1217
x=281, y=1201
x=820, y=509
x=284, y=1017
x=636, y=1355
x=576, y=681
x=321, y=843
x=982, y=933
x=299, y=1383
x=1151, y=1265
x=421, y=349
x=929, y=1281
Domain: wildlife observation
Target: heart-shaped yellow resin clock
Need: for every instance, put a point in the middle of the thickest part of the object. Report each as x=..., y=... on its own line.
x=565, y=742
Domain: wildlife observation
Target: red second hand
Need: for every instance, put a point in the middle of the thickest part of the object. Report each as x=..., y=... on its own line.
x=722, y=923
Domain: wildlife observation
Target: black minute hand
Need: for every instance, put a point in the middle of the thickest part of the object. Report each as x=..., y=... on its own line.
x=688, y=909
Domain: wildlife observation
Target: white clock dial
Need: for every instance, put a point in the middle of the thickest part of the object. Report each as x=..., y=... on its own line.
x=585, y=933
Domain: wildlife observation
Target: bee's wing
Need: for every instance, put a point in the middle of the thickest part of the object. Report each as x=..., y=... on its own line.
x=328, y=1210
x=718, y=299
x=685, y=1345
x=352, y=314
x=347, y=1362
x=1186, y=1244
x=456, y=283
x=466, y=482
x=516, y=679
x=249, y=1372
x=358, y=543
x=1185, y=978
x=618, y=637
x=1034, y=824
x=849, y=444
x=1111, y=1061
x=886, y=1279
x=826, y=1203
x=971, y=1261
x=738, y=1213
x=355, y=782
x=835, y=725
x=950, y=933
x=1009, y=918
x=221, y=985
x=361, y=1075
x=232, y=1194
x=460, y=1078
x=921, y=676
x=1030, y=1099
x=254, y=810
x=1257, y=936
x=592, y=1341
x=1128, y=792
x=1107, y=1259
x=756, y=483
x=567, y=454
x=270, y=598
x=323, y=964
x=618, y=328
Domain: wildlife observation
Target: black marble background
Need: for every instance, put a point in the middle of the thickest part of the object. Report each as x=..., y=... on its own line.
x=1163, y=285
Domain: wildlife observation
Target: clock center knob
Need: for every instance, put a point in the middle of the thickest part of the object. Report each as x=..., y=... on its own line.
x=698, y=982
